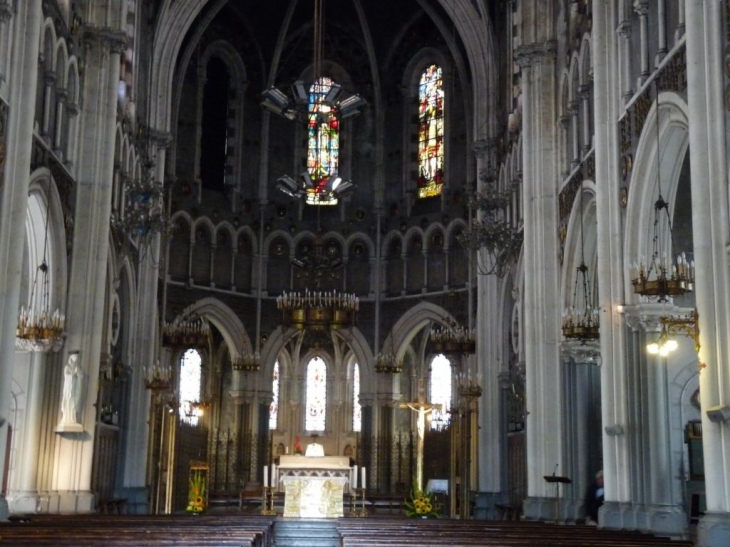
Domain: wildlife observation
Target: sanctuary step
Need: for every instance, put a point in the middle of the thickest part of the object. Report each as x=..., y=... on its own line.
x=306, y=533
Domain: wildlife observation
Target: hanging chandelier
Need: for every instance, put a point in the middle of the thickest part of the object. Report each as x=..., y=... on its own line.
x=323, y=104
x=318, y=310
x=662, y=277
x=581, y=323
x=186, y=333
x=296, y=104
x=246, y=363
x=157, y=377
x=38, y=328
x=388, y=363
x=491, y=235
x=143, y=214
x=453, y=340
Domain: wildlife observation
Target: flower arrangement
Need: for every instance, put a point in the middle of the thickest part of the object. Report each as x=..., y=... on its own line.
x=421, y=505
x=196, y=493
x=298, y=446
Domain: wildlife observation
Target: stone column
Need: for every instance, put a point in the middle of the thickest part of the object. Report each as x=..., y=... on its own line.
x=582, y=403
x=610, y=58
x=706, y=97
x=624, y=48
x=489, y=328
x=87, y=287
x=657, y=497
x=545, y=435
x=642, y=8
x=21, y=83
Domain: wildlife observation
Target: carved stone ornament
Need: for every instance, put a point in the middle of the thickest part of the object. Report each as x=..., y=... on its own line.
x=531, y=54
x=480, y=147
x=581, y=352
x=647, y=317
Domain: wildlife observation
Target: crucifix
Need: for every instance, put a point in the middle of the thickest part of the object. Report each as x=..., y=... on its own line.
x=422, y=408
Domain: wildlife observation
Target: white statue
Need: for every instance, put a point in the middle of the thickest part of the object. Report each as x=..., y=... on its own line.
x=72, y=390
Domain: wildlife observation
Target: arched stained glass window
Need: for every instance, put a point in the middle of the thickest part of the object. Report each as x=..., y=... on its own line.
x=274, y=406
x=323, y=138
x=191, y=374
x=316, y=395
x=440, y=391
x=356, y=408
x=430, y=132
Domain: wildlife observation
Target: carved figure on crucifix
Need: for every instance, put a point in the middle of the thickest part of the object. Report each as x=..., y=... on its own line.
x=422, y=408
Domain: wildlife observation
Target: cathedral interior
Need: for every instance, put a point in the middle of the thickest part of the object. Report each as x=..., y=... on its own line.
x=478, y=244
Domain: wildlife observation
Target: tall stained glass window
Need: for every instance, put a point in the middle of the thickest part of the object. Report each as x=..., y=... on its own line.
x=440, y=391
x=356, y=408
x=430, y=132
x=274, y=406
x=323, y=149
x=191, y=374
x=316, y=395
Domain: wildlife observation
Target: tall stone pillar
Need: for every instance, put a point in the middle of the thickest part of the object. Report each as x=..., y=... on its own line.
x=86, y=310
x=18, y=121
x=489, y=327
x=707, y=76
x=609, y=58
x=544, y=427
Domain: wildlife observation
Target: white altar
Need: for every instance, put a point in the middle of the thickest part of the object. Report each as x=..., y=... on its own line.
x=313, y=486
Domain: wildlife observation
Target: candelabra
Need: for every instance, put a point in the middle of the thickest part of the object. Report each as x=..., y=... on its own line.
x=318, y=310
x=143, y=214
x=662, y=279
x=157, y=377
x=454, y=340
x=388, y=363
x=688, y=326
x=361, y=511
x=41, y=332
x=246, y=363
x=186, y=333
x=268, y=501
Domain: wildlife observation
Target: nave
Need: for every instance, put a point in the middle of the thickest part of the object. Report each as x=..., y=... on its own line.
x=237, y=530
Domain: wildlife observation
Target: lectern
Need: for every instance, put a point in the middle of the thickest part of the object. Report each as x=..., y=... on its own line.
x=557, y=481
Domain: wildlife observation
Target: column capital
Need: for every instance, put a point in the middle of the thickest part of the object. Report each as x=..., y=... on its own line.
x=647, y=316
x=481, y=148
x=116, y=41
x=531, y=54
x=6, y=11
x=579, y=353
x=624, y=29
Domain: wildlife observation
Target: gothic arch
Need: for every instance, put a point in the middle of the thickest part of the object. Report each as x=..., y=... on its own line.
x=412, y=322
x=225, y=320
x=673, y=141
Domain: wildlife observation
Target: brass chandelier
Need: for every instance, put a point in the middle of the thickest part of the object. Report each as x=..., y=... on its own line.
x=581, y=323
x=662, y=277
x=491, y=235
x=453, y=340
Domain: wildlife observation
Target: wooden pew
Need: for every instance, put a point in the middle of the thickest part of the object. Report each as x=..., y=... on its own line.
x=134, y=530
x=406, y=532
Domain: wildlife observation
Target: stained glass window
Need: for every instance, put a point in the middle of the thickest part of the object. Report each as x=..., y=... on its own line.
x=356, y=408
x=430, y=132
x=323, y=149
x=440, y=391
x=316, y=395
x=274, y=406
x=190, y=378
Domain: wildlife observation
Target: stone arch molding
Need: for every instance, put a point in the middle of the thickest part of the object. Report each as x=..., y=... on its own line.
x=225, y=320
x=412, y=322
x=358, y=346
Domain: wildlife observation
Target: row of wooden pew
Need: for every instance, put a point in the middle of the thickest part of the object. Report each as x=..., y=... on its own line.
x=227, y=530
x=374, y=532
x=138, y=530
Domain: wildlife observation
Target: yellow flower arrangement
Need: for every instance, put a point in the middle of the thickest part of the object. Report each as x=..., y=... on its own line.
x=420, y=504
x=196, y=493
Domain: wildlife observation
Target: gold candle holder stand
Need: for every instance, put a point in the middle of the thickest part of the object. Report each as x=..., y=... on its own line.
x=268, y=501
